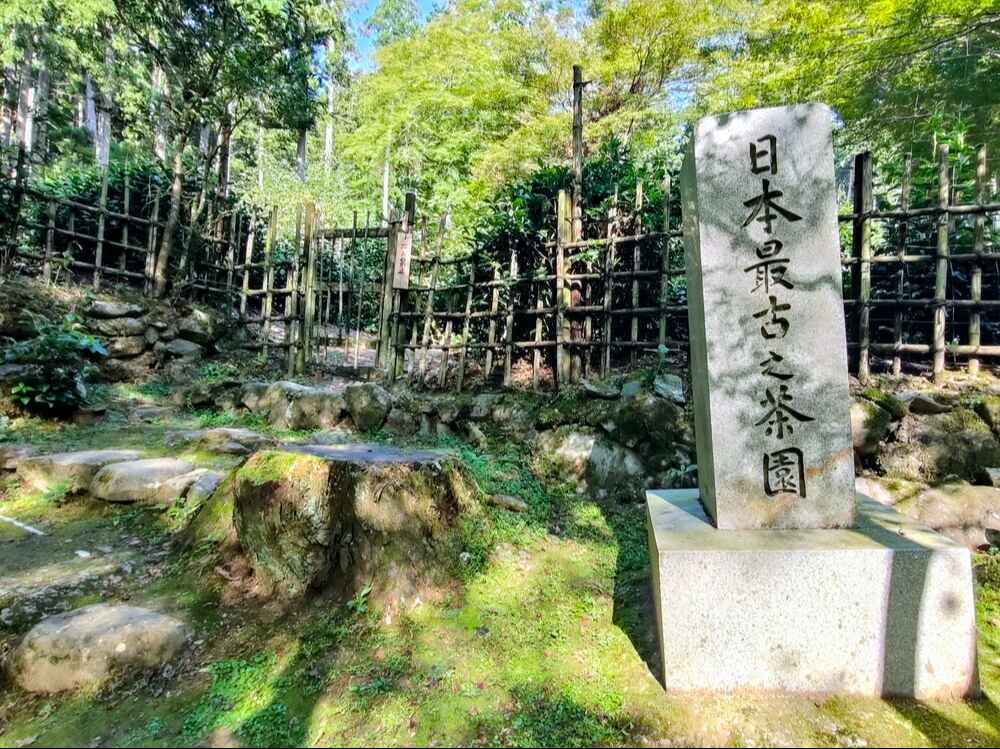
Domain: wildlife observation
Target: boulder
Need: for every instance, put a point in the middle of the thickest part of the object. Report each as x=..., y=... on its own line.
x=72, y=470
x=199, y=326
x=289, y=405
x=887, y=491
x=869, y=426
x=959, y=510
x=228, y=440
x=104, y=309
x=925, y=405
x=368, y=404
x=154, y=481
x=126, y=346
x=83, y=647
x=208, y=394
x=930, y=448
x=349, y=515
x=600, y=390
x=179, y=347
x=671, y=387
x=129, y=369
x=205, y=482
x=988, y=410
x=147, y=414
x=11, y=455
x=593, y=461
x=117, y=326
x=992, y=476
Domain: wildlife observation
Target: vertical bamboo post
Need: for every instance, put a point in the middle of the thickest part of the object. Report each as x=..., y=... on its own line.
x=272, y=229
x=491, y=337
x=428, y=320
x=665, y=264
x=401, y=297
x=247, y=261
x=151, y=244
x=536, y=355
x=358, y=299
x=308, y=286
x=609, y=286
x=385, y=343
x=636, y=261
x=102, y=211
x=941, y=271
x=465, y=324
x=50, y=236
x=564, y=230
x=508, y=360
x=126, y=201
x=446, y=347
x=903, y=231
x=415, y=329
x=338, y=254
x=292, y=298
x=577, y=209
x=862, y=249
x=979, y=246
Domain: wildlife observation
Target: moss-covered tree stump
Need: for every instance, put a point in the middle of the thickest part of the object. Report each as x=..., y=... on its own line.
x=349, y=516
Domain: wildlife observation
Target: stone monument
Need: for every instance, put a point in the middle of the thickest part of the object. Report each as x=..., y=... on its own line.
x=774, y=574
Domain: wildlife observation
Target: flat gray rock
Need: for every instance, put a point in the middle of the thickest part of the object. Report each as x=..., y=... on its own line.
x=365, y=453
x=11, y=455
x=204, y=484
x=73, y=470
x=230, y=440
x=101, y=308
x=82, y=647
x=156, y=481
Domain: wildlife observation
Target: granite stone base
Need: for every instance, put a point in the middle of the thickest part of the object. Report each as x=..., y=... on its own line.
x=885, y=608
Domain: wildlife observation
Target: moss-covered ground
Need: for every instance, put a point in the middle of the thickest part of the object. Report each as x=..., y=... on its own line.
x=547, y=640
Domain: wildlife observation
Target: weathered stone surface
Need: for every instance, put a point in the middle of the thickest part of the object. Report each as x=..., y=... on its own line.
x=117, y=326
x=129, y=369
x=368, y=405
x=181, y=348
x=11, y=455
x=883, y=609
x=126, y=346
x=153, y=481
x=921, y=404
x=869, y=426
x=989, y=411
x=992, y=476
x=204, y=483
x=595, y=462
x=887, y=491
x=73, y=470
x=104, y=309
x=230, y=440
x=289, y=405
x=601, y=390
x=929, y=448
x=199, y=326
x=82, y=647
x=346, y=515
x=745, y=340
x=671, y=387
x=145, y=414
x=959, y=510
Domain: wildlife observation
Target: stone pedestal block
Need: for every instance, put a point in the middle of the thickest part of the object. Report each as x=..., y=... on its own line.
x=885, y=608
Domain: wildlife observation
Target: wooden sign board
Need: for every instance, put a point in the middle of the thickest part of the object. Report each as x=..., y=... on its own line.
x=404, y=248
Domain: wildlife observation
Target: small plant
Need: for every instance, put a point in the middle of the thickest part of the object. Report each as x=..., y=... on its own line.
x=684, y=477
x=57, y=366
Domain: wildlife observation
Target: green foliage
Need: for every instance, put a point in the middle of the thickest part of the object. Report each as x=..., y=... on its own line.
x=236, y=695
x=58, y=360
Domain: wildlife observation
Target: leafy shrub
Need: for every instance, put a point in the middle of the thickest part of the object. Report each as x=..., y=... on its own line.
x=59, y=365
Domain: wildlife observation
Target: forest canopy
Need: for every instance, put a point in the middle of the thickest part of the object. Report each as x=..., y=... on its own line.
x=272, y=101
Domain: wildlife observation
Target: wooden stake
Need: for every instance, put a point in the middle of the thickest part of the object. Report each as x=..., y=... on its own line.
x=861, y=241
x=563, y=294
x=101, y=215
x=904, y=204
x=665, y=264
x=979, y=246
x=941, y=271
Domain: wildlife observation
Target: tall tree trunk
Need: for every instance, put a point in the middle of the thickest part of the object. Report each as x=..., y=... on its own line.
x=41, y=141
x=260, y=157
x=385, y=183
x=328, y=138
x=26, y=98
x=225, y=140
x=159, y=119
x=89, y=106
x=161, y=274
x=102, y=141
x=300, y=155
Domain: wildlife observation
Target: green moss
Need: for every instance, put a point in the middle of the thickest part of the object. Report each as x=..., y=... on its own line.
x=269, y=466
x=895, y=407
x=213, y=522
